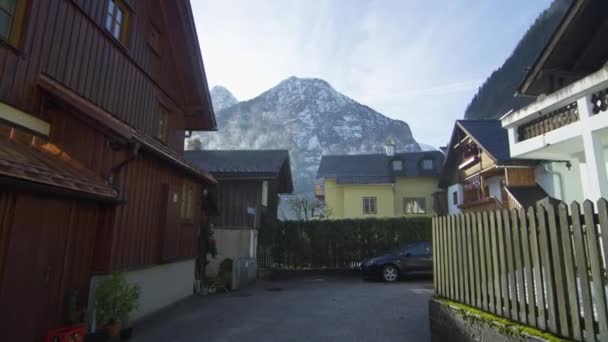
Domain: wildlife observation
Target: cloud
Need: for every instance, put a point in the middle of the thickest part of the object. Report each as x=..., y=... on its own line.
x=418, y=61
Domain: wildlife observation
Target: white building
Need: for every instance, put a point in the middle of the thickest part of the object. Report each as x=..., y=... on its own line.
x=567, y=126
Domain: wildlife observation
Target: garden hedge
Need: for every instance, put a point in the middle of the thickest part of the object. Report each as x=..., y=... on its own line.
x=335, y=243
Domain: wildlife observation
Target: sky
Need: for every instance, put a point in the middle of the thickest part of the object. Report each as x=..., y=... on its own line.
x=420, y=61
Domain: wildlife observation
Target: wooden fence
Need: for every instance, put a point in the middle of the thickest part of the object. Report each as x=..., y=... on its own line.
x=544, y=267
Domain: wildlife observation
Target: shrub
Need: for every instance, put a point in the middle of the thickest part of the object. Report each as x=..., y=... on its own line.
x=336, y=243
x=115, y=300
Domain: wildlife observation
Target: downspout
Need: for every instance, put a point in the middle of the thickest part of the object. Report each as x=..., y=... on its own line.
x=548, y=170
x=114, y=178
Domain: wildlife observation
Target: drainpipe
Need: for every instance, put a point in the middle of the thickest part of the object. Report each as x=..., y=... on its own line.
x=550, y=171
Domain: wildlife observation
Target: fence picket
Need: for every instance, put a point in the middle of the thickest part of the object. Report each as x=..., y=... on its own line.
x=582, y=271
x=450, y=259
x=444, y=275
x=458, y=269
x=568, y=257
x=512, y=298
x=504, y=298
x=528, y=292
x=489, y=264
x=435, y=254
x=481, y=261
x=602, y=213
x=540, y=266
x=495, y=263
x=559, y=284
x=469, y=266
x=545, y=257
x=519, y=270
x=476, y=268
x=538, y=287
x=599, y=294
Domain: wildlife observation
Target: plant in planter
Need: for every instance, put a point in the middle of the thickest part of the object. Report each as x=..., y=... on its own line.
x=115, y=300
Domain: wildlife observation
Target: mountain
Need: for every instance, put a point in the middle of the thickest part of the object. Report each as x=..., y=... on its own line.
x=309, y=118
x=222, y=98
x=496, y=96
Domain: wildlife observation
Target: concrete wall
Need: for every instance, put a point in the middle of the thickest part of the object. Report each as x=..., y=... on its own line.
x=233, y=244
x=570, y=188
x=346, y=200
x=408, y=187
x=495, y=187
x=160, y=286
x=453, y=324
x=353, y=200
x=452, y=206
x=334, y=197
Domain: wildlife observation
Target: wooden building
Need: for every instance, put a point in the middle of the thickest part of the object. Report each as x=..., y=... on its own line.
x=96, y=97
x=249, y=184
x=479, y=173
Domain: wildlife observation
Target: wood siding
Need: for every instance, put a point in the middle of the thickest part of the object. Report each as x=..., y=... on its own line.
x=140, y=230
x=235, y=196
x=47, y=250
x=520, y=177
x=67, y=41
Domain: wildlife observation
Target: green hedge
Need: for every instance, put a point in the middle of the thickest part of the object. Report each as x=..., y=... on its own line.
x=335, y=243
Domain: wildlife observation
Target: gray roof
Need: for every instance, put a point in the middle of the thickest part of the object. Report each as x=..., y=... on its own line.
x=490, y=135
x=377, y=168
x=257, y=162
x=529, y=196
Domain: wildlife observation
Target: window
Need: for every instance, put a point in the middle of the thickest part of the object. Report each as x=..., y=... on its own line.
x=187, y=205
x=414, y=205
x=427, y=164
x=117, y=20
x=265, y=193
x=369, y=205
x=397, y=165
x=455, y=197
x=163, y=125
x=415, y=250
x=11, y=18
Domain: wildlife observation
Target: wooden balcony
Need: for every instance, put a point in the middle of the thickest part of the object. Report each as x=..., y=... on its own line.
x=558, y=118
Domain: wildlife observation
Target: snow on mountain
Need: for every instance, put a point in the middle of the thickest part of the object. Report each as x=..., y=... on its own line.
x=222, y=98
x=309, y=118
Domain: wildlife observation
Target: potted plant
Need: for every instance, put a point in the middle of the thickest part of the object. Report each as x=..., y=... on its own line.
x=115, y=300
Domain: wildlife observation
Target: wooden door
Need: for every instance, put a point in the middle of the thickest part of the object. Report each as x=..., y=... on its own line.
x=169, y=222
x=30, y=292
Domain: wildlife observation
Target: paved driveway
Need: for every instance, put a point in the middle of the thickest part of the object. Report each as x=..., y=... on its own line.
x=306, y=309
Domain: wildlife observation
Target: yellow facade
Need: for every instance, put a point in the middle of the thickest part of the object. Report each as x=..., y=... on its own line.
x=346, y=200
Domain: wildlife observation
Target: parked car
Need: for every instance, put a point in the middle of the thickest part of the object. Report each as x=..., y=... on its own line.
x=412, y=258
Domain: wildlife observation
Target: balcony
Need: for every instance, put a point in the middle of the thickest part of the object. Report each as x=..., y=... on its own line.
x=555, y=125
x=569, y=125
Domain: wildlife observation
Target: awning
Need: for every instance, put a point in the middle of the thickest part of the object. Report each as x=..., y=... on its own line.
x=29, y=161
x=124, y=130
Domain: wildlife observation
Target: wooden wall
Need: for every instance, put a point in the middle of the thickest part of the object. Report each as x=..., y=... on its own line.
x=135, y=237
x=234, y=197
x=520, y=176
x=47, y=253
x=66, y=40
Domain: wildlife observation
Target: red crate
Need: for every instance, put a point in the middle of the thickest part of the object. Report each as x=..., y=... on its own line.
x=74, y=333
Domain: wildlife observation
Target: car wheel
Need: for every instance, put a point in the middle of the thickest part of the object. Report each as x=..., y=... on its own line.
x=390, y=273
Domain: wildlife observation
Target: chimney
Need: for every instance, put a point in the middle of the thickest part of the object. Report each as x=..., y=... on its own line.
x=389, y=147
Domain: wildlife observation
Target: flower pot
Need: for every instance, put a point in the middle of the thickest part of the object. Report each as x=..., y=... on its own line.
x=113, y=329
x=125, y=334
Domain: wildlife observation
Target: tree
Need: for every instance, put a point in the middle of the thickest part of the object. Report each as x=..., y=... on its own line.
x=304, y=208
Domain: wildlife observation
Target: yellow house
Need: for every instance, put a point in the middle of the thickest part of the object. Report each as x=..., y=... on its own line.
x=379, y=185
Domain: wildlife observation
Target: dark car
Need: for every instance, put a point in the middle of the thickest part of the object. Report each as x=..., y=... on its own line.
x=412, y=258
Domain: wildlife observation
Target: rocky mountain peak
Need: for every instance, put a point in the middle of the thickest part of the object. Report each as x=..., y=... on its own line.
x=308, y=117
x=222, y=98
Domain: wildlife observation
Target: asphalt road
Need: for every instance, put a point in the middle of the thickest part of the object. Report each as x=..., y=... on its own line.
x=305, y=309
